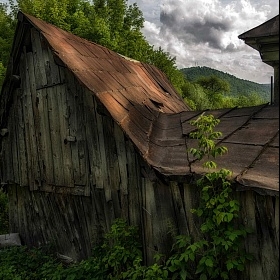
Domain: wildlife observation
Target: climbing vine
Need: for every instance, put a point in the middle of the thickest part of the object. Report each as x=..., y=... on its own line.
x=219, y=251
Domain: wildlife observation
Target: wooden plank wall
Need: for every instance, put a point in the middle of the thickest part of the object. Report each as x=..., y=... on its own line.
x=47, y=129
x=73, y=224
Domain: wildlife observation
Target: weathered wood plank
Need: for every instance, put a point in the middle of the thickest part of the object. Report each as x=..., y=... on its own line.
x=13, y=145
x=165, y=226
x=149, y=212
x=39, y=65
x=266, y=230
x=26, y=117
x=45, y=137
x=21, y=142
x=33, y=113
x=63, y=115
x=276, y=217
x=181, y=215
x=191, y=202
x=81, y=138
x=248, y=213
x=56, y=140
x=92, y=140
x=72, y=96
x=51, y=68
x=112, y=163
x=97, y=200
x=121, y=157
x=103, y=160
x=122, y=169
x=133, y=168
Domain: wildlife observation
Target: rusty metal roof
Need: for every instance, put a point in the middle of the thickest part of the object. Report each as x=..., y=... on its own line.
x=251, y=135
x=148, y=109
x=118, y=82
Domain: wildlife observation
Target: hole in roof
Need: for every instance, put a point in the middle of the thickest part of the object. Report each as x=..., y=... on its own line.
x=164, y=90
x=159, y=105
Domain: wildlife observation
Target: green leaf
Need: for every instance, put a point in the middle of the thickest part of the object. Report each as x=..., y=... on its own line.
x=199, y=212
x=240, y=267
x=203, y=277
x=224, y=275
x=200, y=268
x=192, y=247
x=191, y=256
x=183, y=274
x=229, y=265
x=209, y=262
x=229, y=217
x=172, y=268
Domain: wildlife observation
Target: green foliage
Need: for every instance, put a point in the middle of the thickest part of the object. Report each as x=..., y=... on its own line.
x=27, y=264
x=214, y=85
x=195, y=96
x=237, y=86
x=118, y=257
x=217, y=90
x=119, y=250
x=4, y=213
x=7, y=27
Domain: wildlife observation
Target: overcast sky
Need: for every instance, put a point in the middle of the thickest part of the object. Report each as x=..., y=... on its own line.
x=205, y=33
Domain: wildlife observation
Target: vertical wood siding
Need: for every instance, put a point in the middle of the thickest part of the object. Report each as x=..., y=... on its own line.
x=73, y=223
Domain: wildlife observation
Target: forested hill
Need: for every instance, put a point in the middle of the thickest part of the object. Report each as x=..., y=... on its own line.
x=237, y=86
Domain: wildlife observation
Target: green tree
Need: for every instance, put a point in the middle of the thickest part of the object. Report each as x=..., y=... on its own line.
x=252, y=99
x=196, y=96
x=7, y=27
x=215, y=88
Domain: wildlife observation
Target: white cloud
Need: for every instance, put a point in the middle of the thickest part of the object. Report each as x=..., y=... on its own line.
x=205, y=33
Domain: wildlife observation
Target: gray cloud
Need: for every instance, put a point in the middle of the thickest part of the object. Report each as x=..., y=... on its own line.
x=206, y=30
x=205, y=33
x=209, y=31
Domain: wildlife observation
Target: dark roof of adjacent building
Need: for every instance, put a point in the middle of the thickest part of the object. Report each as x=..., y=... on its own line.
x=142, y=101
x=268, y=28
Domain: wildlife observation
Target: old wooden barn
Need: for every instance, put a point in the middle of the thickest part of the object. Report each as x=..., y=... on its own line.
x=88, y=136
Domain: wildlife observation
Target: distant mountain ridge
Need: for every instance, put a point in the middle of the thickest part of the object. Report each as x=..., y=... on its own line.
x=237, y=86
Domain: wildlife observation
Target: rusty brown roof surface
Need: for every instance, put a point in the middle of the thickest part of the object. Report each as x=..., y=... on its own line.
x=148, y=109
x=268, y=28
x=251, y=135
x=118, y=82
